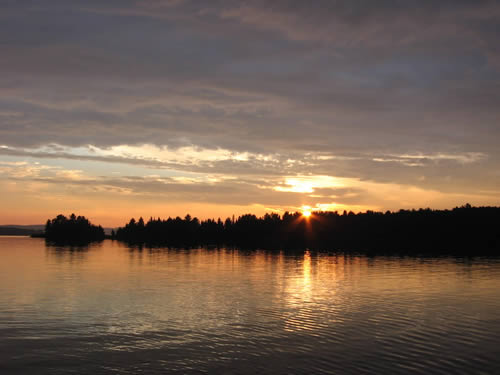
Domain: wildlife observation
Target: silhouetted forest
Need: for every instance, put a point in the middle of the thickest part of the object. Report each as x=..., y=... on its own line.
x=75, y=229
x=463, y=229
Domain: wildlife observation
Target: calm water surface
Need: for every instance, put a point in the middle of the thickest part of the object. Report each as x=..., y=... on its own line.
x=109, y=308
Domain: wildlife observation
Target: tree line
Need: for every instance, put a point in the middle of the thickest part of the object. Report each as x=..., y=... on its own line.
x=463, y=229
x=72, y=229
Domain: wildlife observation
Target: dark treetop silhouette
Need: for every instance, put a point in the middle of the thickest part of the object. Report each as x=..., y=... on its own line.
x=72, y=230
x=466, y=229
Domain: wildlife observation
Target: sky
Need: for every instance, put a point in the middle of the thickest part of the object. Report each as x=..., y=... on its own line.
x=118, y=109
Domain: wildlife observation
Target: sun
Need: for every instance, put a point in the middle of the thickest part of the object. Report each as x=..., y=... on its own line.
x=306, y=211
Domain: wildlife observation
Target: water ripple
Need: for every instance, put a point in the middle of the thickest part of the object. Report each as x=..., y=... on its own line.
x=112, y=309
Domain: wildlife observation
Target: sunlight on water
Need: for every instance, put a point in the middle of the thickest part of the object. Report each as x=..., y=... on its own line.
x=109, y=308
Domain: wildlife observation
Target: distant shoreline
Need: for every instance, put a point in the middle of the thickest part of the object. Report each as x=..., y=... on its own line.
x=15, y=231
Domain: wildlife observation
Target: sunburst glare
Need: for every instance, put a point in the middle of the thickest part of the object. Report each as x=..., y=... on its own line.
x=306, y=211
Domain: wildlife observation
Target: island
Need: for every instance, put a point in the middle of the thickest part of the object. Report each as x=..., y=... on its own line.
x=72, y=230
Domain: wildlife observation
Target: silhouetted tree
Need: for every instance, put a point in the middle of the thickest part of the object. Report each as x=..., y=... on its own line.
x=72, y=230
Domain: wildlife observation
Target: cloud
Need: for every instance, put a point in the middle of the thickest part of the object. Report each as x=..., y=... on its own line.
x=295, y=170
x=394, y=93
x=420, y=160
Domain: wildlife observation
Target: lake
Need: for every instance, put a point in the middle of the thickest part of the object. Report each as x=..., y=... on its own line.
x=110, y=308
